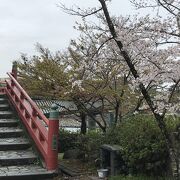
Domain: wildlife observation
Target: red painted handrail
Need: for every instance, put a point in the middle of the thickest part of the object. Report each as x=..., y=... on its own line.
x=43, y=131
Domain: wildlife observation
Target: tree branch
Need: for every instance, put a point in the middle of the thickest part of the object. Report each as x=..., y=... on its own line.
x=79, y=11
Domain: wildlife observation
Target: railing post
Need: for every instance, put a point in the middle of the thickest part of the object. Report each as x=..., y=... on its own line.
x=53, y=131
x=14, y=69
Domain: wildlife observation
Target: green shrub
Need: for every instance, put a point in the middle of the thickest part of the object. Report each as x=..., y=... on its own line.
x=90, y=144
x=143, y=147
x=172, y=122
x=67, y=140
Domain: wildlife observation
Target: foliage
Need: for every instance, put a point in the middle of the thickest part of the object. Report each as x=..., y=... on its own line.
x=137, y=178
x=59, y=76
x=43, y=74
x=143, y=146
x=67, y=140
x=90, y=144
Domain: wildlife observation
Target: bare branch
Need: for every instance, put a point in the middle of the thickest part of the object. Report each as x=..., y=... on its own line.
x=170, y=4
x=165, y=7
x=168, y=42
x=171, y=94
x=75, y=10
x=102, y=46
x=173, y=90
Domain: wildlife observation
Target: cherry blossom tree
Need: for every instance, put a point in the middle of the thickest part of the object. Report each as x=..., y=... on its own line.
x=101, y=65
x=138, y=42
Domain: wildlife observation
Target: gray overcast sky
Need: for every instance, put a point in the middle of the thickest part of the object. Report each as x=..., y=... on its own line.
x=23, y=23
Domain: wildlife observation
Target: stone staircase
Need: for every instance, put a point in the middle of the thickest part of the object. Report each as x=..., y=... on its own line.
x=17, y=159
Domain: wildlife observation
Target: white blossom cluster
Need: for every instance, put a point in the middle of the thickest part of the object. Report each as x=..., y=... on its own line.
x=154, y=53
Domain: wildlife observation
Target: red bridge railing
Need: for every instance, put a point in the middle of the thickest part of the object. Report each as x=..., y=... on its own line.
x=43, y=131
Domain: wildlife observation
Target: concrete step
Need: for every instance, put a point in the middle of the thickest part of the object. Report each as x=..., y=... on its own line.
x=8, y=122
x=28, y=172
x=17, y=160
x=3, y=100
x=6, y=114
x=4, y=107
x=10, y=132
x=2, y=95
x=19, y=143
x=18, y=157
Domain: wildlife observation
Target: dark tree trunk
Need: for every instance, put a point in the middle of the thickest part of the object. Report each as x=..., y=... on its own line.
x=83, y=109
x=116, y=113
x=83, y=123
x=171, y=147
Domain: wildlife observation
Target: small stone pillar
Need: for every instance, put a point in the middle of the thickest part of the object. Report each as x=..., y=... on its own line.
x=111, y=158
x=53, y=131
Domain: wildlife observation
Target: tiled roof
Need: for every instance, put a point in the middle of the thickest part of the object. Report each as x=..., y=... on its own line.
x=64, y=106
x=69, y=121
x=65, y=121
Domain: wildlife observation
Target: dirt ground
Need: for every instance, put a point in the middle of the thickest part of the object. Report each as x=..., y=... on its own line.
x=84, y=170
x=82, y=177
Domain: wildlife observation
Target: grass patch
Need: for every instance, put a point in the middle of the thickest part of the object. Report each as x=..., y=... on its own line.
x=137, y=178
